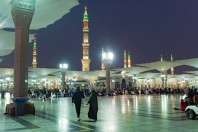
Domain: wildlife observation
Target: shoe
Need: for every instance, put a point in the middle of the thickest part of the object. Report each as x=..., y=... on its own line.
x=79, y=119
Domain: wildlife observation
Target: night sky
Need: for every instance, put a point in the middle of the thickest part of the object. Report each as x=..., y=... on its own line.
x=146, y=28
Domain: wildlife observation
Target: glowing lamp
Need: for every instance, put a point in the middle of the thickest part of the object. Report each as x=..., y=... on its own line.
x=63, y=66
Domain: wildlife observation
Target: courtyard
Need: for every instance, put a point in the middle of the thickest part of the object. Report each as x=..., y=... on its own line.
x=125, y=113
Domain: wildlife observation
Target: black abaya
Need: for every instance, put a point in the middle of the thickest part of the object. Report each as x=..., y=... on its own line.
x=93, y=108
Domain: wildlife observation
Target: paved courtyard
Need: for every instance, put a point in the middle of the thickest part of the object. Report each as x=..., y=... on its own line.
x=126, y=113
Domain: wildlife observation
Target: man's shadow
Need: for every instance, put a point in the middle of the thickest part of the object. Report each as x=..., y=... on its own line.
x=87, y=121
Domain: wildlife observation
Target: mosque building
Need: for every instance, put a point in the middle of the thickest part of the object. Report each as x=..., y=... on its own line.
x=130, y=75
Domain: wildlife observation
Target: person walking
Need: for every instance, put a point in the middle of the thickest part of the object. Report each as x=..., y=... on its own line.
x=3, y=94
x=44, y=92
x=93, y=106
x=77, y=100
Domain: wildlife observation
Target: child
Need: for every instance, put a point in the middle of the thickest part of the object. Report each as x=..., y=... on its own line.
x=183, y=105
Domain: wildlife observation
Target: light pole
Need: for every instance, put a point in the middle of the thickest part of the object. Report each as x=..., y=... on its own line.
x=178, y=83
x=148, y=81
x=134, y=80
x=164, y=79
x=8, y=80
x=186, y=82
x=1, y=81
x=34, y=83
x=107, y=57
x=63, y=68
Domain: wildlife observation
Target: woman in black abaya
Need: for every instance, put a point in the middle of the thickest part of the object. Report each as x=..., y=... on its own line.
x=93, y=105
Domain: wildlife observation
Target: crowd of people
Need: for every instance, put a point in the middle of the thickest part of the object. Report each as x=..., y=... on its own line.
x=77, y=94
x=53, y=93
x=68, y=92
x=137, y=91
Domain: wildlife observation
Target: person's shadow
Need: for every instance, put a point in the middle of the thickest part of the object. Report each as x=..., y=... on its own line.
x=87, y=121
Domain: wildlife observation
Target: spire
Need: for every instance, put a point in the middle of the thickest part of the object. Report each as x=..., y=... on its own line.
x=172, y=69
x=34, y=61
x=102, y=66
x=129, y=59
x=161, y=59
x=171, y=57
x=125, y=61
x=86, y=17
x=34, y=46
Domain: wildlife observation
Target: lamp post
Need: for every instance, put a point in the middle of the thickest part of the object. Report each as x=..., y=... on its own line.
x=186, y=82
x=134, y=77
x=34, y=83
x=1, y=81
x=8, y=84
x=63, y=68
x=164, y=80
x=107, y=57
x=178, y=83
x=148, y=81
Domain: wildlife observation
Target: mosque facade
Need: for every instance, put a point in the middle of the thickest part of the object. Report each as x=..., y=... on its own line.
x=128, y=76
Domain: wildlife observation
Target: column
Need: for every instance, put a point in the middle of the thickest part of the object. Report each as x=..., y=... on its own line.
x=107, y=77
x=22, y=13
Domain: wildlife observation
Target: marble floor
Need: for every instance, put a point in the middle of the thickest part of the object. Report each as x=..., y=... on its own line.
x=126, y=113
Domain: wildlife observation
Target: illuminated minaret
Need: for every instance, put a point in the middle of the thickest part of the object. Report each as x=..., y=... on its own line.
x=172, y=69
x=34, y=61
x=125, y=59
x=129, y=59
x=171, y=57
x=102, y=66
x=85, y=60
x=161, y=59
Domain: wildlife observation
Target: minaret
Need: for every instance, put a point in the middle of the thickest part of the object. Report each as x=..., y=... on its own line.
x=172, y=69
x=85, y=60
x=171, y=57
x=161, y=59
x=102, y=66
x=34, y=61
x=129, y=59
x=125, y=59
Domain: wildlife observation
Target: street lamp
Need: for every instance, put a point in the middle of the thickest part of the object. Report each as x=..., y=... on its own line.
x=164, y=79
x=107, y=57
x=7, y=80
x=186, y=82
x=63, y=68
x=34, y=83
x=134, y=77
x=1, y=82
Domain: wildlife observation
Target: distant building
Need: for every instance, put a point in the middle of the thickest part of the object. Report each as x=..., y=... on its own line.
x=34, y=61
x=85, y=60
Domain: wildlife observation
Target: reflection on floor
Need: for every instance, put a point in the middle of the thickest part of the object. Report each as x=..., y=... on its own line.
x=126, y=113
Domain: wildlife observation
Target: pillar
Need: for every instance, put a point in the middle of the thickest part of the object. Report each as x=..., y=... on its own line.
x=63, y=79
x=108, y=65
x=22, y=13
